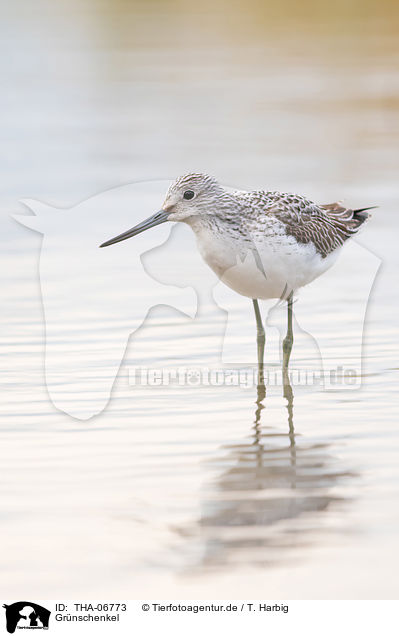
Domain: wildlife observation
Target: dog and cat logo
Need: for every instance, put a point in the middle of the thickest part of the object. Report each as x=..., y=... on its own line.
x=26, y=615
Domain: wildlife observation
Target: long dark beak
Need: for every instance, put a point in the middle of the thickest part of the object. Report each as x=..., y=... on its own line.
x=152, y=221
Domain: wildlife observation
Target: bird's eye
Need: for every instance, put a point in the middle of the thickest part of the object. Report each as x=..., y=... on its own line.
x=189, y=194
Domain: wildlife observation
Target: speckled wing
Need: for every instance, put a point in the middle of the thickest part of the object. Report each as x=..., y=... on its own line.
x=326, y=226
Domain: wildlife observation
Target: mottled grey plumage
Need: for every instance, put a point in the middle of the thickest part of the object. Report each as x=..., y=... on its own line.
x=327, y=227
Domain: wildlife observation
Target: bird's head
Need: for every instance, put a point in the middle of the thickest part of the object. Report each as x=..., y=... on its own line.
x=189, y=196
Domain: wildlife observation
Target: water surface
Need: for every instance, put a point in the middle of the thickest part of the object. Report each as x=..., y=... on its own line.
x=198, y=492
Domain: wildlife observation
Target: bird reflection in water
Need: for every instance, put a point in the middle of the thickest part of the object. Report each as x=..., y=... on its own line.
x=271, y=492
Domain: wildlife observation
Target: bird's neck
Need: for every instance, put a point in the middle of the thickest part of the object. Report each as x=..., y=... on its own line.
x=211, y=228
x=224, y=212
x=216, y=234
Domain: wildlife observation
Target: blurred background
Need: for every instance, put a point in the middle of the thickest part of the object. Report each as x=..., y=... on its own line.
x=98, y=93
x=195, y=497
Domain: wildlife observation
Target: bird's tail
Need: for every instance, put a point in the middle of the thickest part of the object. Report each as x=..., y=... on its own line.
x=361, y=214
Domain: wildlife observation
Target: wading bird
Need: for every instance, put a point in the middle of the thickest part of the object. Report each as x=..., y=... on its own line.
x=261, y=244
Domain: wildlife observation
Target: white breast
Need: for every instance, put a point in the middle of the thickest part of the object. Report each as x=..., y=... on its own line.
x=238, y=261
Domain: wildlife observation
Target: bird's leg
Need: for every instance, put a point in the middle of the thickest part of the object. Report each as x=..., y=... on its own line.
x=288, y=393
x=289, y=396
x=260, y=341
x=289, y=338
